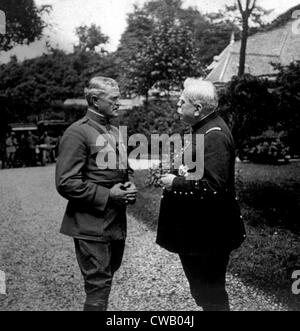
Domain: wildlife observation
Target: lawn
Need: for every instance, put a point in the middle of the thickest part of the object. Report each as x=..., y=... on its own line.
x=270, y=201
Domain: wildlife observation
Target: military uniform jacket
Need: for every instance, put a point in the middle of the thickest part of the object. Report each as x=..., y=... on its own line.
x=204, y=215
x=90, y=214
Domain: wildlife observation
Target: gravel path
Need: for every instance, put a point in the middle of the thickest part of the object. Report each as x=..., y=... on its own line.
x=42, y=273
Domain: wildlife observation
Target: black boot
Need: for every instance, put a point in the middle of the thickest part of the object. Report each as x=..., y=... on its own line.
x=95, y=308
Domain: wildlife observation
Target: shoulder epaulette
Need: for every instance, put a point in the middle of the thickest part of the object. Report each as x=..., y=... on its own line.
x=83, y=120
x=213, y=129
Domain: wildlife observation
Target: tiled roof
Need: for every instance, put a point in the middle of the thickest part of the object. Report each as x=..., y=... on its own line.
x=280, y=45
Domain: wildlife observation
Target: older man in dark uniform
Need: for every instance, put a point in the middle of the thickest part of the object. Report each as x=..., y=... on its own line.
x=200, y=219
x=98, y=192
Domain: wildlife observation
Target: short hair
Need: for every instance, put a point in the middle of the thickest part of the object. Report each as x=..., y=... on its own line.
x=198, y=90
x=100, y=86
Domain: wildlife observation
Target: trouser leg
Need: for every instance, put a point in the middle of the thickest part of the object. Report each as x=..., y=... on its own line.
x=206, y=275
x=98, y=262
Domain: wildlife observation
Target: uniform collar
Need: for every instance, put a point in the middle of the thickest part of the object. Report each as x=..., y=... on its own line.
x=204, y=121
x=99, y=118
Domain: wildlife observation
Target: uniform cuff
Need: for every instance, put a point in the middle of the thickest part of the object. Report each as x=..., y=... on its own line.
x=101, y=198
x=179, y=183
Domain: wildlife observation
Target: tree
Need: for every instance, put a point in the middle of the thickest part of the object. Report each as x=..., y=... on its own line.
x=253, y=105
x=152, y=25
x=248, y=107
x=246, y=12
x=210, y=32
x=287, y=93
x=167, y=58
x=31, y=87
x=24, y=22
x=164, y=10
x=139, y=28
x=90, y=37
x=244, y=18
x=213, y=36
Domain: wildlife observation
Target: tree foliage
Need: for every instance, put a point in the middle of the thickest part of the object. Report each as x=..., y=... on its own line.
x=167, y=58
x=159, y=117
x=24, y=22
x=90, y=38
x=154, y=42
x=32, y=86
x=210, y=34
x=287, y=93
x=245, y=17
x=252, y=106
x=247, y=104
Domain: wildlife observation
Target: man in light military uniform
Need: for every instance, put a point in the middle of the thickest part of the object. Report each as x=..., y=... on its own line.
x=200, y=219
x=96, y=213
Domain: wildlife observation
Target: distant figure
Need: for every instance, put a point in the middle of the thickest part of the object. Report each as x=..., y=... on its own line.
x=11, y=143
x=23, y=150
x=200, y=219
x=47, y=149
x=31, y=144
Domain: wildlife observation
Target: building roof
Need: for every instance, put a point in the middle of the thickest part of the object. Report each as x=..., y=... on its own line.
x=22, y=127
x=280, y=45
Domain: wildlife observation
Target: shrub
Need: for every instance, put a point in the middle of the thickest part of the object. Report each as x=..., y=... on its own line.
x=246, y=104
x=252, y=105
x=269, y=149
x=159, y=116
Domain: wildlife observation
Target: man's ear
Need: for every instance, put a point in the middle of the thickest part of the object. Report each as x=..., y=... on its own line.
x=94, y=100
x=198, y=110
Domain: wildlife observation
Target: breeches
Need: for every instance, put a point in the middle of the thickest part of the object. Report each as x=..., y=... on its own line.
x=206, y=274
x=98, y=262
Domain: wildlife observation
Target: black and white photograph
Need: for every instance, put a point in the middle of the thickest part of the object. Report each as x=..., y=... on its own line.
x=149, y=158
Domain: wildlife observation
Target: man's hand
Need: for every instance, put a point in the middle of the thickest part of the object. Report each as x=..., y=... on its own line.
x=121, y=195
x=130, y=187
x=167, y=180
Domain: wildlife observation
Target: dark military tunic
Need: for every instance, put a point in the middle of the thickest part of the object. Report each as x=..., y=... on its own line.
x=203, y=215
x=90, y=214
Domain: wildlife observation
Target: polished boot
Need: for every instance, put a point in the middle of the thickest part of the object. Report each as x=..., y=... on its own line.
x=102, y=307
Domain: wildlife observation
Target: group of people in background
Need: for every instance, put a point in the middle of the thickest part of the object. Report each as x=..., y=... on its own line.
x=28, y=149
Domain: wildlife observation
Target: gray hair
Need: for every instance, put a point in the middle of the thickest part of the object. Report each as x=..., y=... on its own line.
x=100, y=87
x=201, y=91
